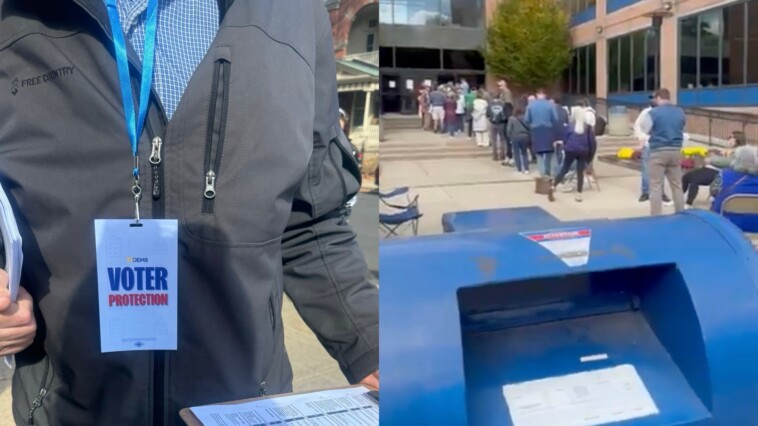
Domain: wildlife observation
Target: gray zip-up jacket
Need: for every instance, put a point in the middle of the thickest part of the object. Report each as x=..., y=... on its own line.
x=261, y=112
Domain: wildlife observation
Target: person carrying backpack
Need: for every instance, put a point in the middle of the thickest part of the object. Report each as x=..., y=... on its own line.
x=496, y=114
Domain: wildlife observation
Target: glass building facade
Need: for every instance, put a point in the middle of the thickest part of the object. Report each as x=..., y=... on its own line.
x=428, y=41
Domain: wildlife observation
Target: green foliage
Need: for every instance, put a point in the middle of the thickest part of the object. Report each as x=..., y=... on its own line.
x=528, y=42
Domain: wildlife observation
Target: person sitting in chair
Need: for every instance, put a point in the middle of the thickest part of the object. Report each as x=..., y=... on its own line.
x=741, y=178
x=704, y=176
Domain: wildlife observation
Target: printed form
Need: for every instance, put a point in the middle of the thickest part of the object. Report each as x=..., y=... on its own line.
x=348, y=407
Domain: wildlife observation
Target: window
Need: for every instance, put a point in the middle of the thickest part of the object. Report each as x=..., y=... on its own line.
x=719, y=47
x=370, y=42
x=639, y=60
x=733, y=45
x=751, y=56
x=652, y=39
x=462, y=60
x=625, y=63
x=359, y=110
x=613, y=65
x=386, y=57
x=417, y=58
x=709, y=48
x=463, y=13
x=591, y=70
x=688, y=38
x=632, y=60
x=579, y=78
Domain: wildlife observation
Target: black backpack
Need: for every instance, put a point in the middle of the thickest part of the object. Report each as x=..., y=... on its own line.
x=600, y=124
x=497, y=112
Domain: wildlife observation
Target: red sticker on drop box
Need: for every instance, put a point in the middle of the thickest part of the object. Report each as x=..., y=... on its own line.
x=572, y=246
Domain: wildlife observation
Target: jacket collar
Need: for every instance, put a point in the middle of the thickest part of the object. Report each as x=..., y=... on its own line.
x=96, y=8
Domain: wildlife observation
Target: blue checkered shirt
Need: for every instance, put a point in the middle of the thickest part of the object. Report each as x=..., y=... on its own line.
x=185, y=31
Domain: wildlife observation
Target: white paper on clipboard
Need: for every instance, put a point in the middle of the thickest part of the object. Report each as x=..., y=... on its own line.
x=14, y=257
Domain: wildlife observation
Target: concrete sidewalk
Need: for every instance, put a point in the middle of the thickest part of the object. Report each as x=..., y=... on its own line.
x=458, y=184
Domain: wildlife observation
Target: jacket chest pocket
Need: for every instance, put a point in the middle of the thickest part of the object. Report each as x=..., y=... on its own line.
x=218, y=113
x=240, y=163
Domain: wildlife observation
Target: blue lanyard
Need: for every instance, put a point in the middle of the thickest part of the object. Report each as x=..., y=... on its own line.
x=134, y=127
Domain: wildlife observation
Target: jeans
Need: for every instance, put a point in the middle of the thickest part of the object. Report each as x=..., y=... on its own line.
x=451, y=125
x=520, y=154
x=544, y=163
x=559, y=158
x=645, y=172
x=498, y=140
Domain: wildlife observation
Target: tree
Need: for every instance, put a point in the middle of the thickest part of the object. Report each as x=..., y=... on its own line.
x=528, y=42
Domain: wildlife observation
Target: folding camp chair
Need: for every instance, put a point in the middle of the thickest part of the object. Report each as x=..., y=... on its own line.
x=407, y=214
x=590, y=178
x=742, y=204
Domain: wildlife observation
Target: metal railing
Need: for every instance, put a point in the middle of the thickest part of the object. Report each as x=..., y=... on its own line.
x=708, y=126
x=367, y=57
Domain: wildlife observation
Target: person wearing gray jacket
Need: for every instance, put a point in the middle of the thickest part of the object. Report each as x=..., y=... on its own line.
x=519, y=135
x=260, y=112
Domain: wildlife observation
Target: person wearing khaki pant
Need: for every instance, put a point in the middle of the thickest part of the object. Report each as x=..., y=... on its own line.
x=665, y=163
x=665, y=126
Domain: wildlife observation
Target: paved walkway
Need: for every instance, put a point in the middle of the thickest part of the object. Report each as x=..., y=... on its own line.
x=446, y=184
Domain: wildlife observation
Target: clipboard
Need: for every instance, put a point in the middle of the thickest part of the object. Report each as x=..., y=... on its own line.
x=190, y=419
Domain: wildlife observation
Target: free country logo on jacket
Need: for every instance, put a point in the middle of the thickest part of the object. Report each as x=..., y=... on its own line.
x=20, y=83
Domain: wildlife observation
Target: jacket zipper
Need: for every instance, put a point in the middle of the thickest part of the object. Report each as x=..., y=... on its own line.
x=160, y=400
x=160, y=363
x=216, y=130
x=262, y=391
x=43, y=388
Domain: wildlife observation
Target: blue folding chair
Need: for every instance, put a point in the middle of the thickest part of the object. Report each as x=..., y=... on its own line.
x=407, y=214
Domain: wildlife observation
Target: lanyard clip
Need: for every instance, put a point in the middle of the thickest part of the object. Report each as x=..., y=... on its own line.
x=136, y=189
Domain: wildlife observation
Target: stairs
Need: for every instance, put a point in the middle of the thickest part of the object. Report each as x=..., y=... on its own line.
x=391, y=122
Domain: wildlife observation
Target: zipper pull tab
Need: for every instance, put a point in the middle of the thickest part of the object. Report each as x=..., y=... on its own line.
x=36, y=404
x=155, y=153
x=210, y=185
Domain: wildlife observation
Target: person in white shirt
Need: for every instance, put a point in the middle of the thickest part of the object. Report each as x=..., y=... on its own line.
x=460, y=110
x=643, y=137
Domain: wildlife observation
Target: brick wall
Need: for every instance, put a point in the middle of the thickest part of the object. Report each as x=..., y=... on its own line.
x=341, y=14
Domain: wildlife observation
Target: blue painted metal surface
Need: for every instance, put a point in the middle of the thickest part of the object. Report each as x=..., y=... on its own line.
x=718, y=96
x=514, y=219
x=615, y=5
x=463, y=314
x=586, y=15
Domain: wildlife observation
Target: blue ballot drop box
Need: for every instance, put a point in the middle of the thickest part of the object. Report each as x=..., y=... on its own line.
x=648, y=321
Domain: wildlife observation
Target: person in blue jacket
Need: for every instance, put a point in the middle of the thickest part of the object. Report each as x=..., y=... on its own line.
x=542, y=118
x=739, y=179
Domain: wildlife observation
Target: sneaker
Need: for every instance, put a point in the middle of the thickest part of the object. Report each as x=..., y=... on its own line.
x=578, y=197
x=644, y=197
x=688, y=206
x=666, y=199
x=526, y=172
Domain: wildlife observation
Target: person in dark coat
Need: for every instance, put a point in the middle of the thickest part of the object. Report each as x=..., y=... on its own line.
x=579, y=146
x=451, y=118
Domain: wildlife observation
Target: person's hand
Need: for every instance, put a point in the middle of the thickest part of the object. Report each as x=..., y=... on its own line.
x=17, y=324
x=372, y=380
